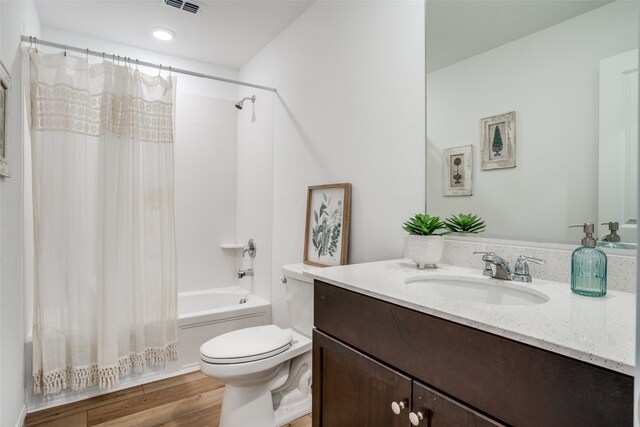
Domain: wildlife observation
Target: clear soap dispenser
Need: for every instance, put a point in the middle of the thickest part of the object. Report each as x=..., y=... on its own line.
x=588, y=266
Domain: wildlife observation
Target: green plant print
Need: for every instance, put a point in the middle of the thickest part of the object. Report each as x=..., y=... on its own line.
x=325, y=234
x=497, y=144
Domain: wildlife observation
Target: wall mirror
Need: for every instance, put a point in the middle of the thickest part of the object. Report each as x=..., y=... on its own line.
x=568, y=71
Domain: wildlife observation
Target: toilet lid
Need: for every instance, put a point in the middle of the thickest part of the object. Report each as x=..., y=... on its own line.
x=246, y=345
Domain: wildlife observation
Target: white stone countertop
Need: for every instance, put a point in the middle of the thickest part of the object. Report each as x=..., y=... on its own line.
x=600, y=331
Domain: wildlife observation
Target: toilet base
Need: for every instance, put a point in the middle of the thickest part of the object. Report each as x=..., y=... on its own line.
x=253, y=405
x=266, y=392
x=285, y=397
x=292, y=400
x=247, y=406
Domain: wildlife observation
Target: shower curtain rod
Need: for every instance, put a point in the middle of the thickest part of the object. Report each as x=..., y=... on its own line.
x=35, y=41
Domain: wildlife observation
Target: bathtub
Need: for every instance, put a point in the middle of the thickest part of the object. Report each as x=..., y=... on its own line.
x=202, y=315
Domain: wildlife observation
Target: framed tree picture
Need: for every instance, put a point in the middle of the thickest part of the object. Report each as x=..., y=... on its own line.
x=5, y=91
x=499, y=141
x=326, y=235
x=458, y=171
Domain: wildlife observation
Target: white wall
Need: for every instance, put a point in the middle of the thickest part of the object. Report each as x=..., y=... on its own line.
x=550, y=78
x=349, y=108
x=205, y=161
x=16, y=18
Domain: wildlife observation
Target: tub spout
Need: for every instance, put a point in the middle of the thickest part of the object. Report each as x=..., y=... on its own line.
x=242, y=273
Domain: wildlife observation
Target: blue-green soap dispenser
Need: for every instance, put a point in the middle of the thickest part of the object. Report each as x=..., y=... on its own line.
x=588, y=266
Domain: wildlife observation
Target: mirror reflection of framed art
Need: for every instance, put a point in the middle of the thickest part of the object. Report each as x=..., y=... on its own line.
x=458, y=171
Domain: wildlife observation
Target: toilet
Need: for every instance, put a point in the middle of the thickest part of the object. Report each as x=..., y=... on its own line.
x=266, y=369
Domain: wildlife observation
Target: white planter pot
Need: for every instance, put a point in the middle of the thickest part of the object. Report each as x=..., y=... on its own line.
x=424, y=250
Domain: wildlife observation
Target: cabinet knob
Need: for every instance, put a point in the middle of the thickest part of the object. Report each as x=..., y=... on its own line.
x=415, y=418
x=397, y=407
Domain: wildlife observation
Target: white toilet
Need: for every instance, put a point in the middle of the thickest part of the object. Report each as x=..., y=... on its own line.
x=266, y=369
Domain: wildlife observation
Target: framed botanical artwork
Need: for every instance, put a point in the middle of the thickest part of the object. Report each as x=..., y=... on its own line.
x=458, y=171
x=5, y=92
x=326, y=235
x=499, y=141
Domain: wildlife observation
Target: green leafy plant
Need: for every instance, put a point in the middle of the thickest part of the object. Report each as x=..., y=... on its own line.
x=465, y=223
x=325, y=233
x=425, y=225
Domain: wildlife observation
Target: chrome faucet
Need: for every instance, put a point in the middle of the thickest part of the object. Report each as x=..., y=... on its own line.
x=495, y=266
x=242, y=273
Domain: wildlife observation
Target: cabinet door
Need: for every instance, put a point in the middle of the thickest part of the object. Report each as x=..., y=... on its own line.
x=351, y=389
x=438, y=410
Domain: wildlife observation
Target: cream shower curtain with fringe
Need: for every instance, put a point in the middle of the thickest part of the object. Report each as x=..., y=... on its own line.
x=105, y=257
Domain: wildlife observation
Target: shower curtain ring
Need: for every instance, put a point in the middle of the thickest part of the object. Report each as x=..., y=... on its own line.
x=169, y=71
x=65, y=50
x=87, y=54
x=160, y=70
x=136, y=64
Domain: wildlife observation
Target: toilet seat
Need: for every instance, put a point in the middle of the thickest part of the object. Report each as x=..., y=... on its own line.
x=246, y=345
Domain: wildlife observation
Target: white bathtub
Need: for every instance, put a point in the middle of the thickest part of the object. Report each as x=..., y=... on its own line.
x=202, y=315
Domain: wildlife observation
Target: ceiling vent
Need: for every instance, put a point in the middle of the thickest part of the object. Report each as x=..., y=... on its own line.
x=187, y=6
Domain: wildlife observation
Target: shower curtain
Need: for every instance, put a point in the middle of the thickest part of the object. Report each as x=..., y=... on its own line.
x=105, y=257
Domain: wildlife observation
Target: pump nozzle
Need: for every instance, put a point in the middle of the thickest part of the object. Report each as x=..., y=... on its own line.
x=588, y=239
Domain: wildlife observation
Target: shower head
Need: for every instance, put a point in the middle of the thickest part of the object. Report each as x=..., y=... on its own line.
x=240, y=103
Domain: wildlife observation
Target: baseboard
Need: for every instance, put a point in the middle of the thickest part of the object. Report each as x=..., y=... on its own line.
x=22, y=416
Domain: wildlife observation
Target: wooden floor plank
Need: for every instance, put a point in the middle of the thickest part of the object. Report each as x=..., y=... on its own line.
x=170, y=382
x=191, y=400
x=78, y=419
x=39, y=417
x=112, y=411
x=159, y=415
x=209, y=417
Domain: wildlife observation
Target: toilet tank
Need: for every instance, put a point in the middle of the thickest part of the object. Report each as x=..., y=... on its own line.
x=299, y=295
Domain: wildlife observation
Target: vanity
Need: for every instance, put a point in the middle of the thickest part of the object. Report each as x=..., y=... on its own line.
x=387, y=351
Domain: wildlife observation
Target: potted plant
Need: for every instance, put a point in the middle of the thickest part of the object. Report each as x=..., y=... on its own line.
x=465, y=224
x=425, y=243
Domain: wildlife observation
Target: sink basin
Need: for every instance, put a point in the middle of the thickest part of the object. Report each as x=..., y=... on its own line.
x=478, y=290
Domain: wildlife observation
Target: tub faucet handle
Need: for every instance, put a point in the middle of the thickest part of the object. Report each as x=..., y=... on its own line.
x=250, y=249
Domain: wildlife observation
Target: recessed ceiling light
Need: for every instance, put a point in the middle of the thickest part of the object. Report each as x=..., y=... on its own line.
x=162, y=34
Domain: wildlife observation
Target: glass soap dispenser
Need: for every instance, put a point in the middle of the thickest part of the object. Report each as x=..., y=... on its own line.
x=588, y=266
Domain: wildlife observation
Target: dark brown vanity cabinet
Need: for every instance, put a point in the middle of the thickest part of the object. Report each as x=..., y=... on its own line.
x=351, y=389
x=354, y=389
x=368, y=353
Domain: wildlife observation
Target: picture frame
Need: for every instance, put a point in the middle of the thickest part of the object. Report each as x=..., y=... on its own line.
x=498, y=141
x=458, y=171
x=326, y=236
x=5, y=128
